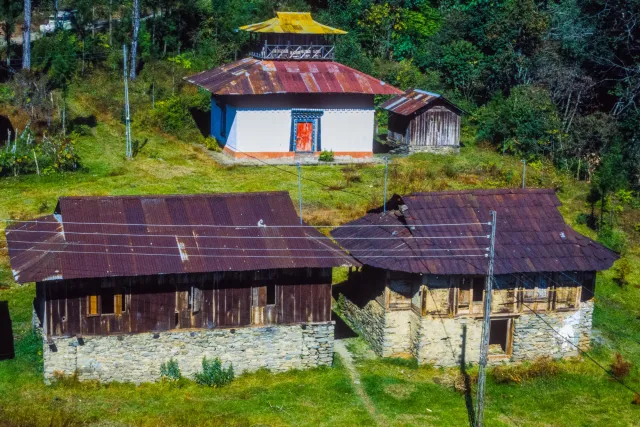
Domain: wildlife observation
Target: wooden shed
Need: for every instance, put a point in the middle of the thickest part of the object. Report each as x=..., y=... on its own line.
x=111, y=272
x=423, y=121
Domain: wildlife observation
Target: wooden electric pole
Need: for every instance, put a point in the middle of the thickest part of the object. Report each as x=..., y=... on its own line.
x=26, y=36
x=486, y=327
x=300, y=190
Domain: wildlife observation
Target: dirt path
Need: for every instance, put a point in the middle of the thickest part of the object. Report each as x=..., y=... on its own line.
x=347, y=359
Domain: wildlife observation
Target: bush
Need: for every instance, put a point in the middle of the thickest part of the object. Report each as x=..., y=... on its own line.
x=615, y=240
x=623, y=271
x=172, y=115
x=170, y=371
x=450, y=170
x=326, y=156
x=213, y=374
x=620, y=367
x=211, y=143
x=515, y=374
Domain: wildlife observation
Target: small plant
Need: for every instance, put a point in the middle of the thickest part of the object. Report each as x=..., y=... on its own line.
x=213, y=374
x=211, y=143
x=615, y=240
x=450, y=170
x=623, y=271
x=137, y=146
x=620, y=367
x=170, y=371
x=636, y=399
x=326, y=156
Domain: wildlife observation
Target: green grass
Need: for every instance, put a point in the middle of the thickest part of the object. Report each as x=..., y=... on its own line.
x=581, y=395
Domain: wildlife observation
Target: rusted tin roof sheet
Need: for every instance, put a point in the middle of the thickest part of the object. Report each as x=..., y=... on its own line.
x=292, y=23
x=90, y=237
x=252, y=76
x=425, y=234
x=413, y=100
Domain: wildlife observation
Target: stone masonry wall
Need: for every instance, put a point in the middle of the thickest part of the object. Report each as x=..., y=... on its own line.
x=368, y=321
x=440, y=341
x=398, y=333
x=137, y=357
x=533, y=338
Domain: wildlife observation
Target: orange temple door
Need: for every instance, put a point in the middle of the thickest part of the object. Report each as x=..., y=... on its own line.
x=304, y=136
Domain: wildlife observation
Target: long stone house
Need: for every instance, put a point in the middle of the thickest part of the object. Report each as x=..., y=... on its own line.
x=289, y=100
x=421, y=290
x=124, y=284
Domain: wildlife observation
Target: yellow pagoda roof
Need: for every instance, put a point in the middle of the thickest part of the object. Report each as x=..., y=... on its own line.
x=292, y=23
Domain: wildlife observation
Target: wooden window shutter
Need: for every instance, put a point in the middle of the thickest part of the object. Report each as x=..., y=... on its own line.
x=93, y=304
x=196, y=303
x=118, y=304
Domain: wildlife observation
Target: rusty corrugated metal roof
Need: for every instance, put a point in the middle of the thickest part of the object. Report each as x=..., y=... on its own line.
x=414, y=100
x=292, y=23
x=252, y=76
x=149, y=235
x=531, y=235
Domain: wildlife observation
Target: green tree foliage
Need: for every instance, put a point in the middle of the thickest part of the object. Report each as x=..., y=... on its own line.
x=525, y=123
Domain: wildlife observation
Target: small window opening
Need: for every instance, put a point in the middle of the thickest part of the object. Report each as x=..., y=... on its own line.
x=478, y=289
x=499, y=337
x=107, y=302
x=271, y=294
x=92, y=305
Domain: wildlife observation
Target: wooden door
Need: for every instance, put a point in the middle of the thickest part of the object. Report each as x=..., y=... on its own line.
x=304, y=136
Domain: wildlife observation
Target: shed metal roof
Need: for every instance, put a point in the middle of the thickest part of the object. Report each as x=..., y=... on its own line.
x=251, y=76
x=292, y=23
x=90, y=237
x=531, y=235
x=414, y=100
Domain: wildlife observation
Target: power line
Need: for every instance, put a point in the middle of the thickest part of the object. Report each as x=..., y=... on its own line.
x=391, y=237
x=241, y=226
x=228, y=248
x=242, y=256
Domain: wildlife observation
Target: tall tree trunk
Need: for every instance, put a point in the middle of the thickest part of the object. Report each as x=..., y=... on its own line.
x=134, y=41
x=110, y=22
x=55, y=14
x=26, y=36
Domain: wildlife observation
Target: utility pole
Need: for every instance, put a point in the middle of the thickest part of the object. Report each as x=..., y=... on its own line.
x=134, y=40
x=386, y=171
x=300, y=190
x=524, y=170
x=127, y=117
x=486, y=327
x=26, y=36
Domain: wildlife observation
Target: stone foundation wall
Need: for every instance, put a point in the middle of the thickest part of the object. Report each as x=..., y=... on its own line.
x=369, y=321
x=137, y=357
x=440, y=341
x=534, y=338
x=445, y=341
x=438, y=149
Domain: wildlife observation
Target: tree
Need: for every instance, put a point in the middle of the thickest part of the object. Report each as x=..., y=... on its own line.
x=134, y=39
x=9, y=12
x=26, y=36
x=610, y=177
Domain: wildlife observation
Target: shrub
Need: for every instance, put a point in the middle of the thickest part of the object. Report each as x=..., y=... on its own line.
x=636, y=399
x=620, y=367
x=170, y=370
x=326, y=156
x=623, y=270
x=172, y=115
x=450, y=170
x=213, y=374
x=615, y=240
x=582, y=218
x=515, y=374
x=211, y=143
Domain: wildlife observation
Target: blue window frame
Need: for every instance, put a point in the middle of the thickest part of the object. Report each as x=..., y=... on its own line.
x=312, y=116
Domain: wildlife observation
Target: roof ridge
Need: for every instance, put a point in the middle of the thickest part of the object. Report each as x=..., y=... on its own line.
x=188, y=195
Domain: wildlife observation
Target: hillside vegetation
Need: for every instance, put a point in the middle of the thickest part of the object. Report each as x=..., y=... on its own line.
x=552, y=82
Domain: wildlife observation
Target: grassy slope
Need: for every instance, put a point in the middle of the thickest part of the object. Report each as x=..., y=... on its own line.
x=167, y=165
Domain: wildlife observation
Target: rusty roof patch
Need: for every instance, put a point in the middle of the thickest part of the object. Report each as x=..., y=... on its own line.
x=531, y=235
x=414, y=100
x=90, y=237
x=252, y=76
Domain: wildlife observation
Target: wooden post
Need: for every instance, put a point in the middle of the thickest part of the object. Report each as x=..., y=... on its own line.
x=486, y=327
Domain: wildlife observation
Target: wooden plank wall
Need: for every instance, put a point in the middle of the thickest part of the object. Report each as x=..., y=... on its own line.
x=160, y=303
x=437, y=126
